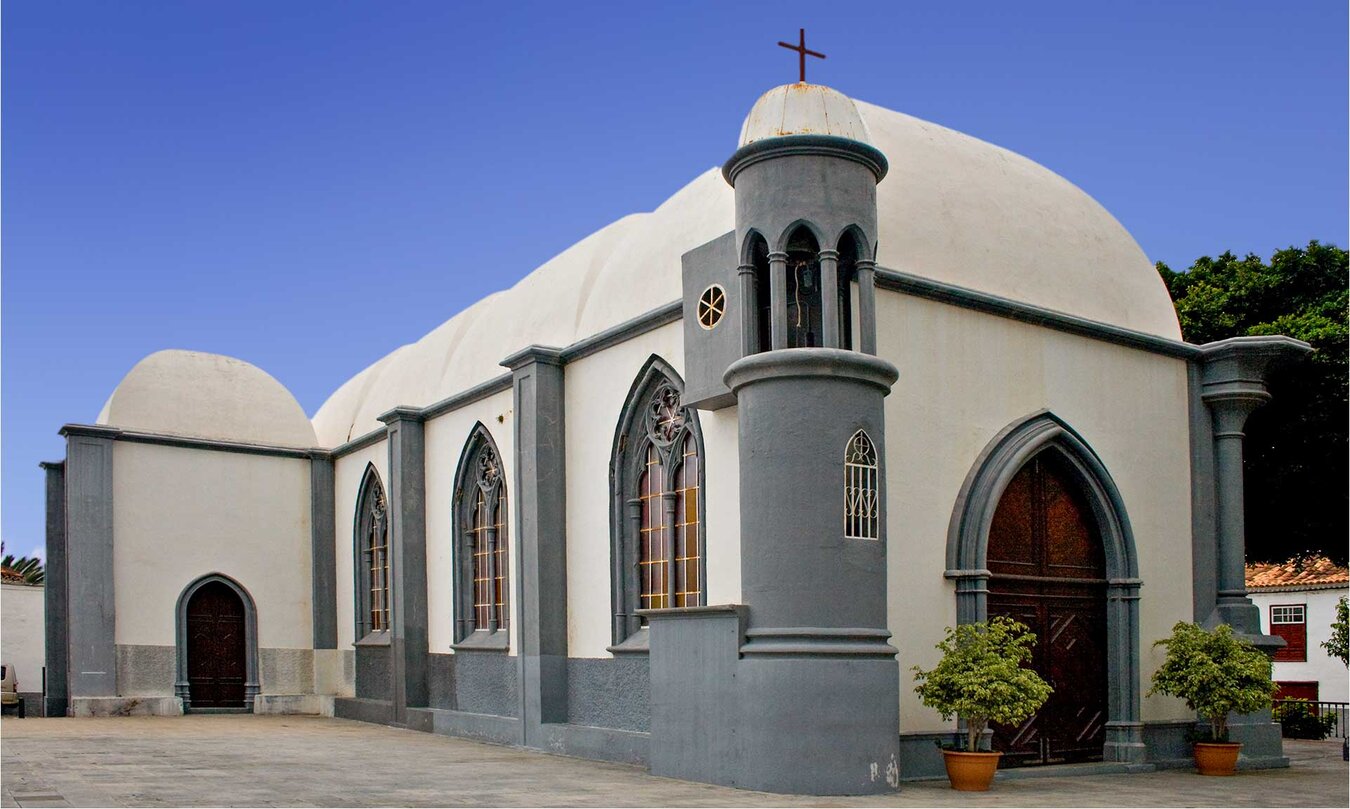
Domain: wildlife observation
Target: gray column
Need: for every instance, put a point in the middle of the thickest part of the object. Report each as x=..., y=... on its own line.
x=1233, y=377
x=407, y=560
x=749, y=309
x=829, y=298
x=323, y=551
x=1125, y=731
x=55, y=592
x=778, y=300
x=541, y=511
x=867, y=306
x=91, y=608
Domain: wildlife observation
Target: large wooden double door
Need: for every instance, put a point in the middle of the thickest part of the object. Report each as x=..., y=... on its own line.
x=216, y=656
x=1048, y=571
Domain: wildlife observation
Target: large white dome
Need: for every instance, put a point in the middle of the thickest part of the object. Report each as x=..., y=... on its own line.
x=803, y=109
x=190, y=393
x=953, y=209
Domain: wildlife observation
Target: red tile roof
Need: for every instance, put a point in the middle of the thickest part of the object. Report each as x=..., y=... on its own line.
x=9, y=575
x=1317, y=573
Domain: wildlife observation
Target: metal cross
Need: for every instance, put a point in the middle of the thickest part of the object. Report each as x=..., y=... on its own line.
x=802, y=52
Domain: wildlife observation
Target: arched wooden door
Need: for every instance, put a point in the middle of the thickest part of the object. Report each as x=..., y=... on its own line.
x=1048, y=570
x=217, y=662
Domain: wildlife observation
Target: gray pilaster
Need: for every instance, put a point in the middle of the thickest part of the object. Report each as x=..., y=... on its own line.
x=867, y=306
x=408, y=560
x=541, y=511
x=89, y=561
x=1204, y=544
x=55, y=592
x=1233, y=378
x=777, y=300
x=829, y=297
x=745, y=274
x=323, y=550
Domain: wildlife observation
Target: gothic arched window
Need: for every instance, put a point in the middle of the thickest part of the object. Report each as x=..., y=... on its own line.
x=862, y=502
x=657, y=483
x=372, y=556
x=481, y=561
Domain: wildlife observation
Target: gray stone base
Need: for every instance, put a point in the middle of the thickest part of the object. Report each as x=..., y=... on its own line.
x=489, y=728
x=309, y=704
x=921, y=754
x=377, y=711
x=32, y=703
x=125, y=706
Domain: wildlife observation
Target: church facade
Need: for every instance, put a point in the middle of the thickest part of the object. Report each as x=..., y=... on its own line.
x=700, y=491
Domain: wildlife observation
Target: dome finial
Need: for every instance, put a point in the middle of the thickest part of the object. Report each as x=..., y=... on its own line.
x=802, y=53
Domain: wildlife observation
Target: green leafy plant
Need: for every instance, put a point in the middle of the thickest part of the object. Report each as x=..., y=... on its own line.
x=1299, y=720
x=1215, y=673
x=30, y=568
x=981, y=677
x=1337, y=645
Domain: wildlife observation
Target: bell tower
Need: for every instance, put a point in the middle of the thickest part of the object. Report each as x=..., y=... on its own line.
x=797, y=689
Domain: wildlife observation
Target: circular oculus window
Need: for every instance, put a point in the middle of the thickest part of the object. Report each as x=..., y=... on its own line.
x=712, y=304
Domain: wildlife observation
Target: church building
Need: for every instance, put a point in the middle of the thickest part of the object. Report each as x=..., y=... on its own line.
x=700, y=491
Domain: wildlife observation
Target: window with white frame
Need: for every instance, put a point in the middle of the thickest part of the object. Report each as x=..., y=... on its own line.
x=862, y=501
x=1289, y=621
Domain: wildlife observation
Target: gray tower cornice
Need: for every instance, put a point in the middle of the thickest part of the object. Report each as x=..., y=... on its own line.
x=817, y=145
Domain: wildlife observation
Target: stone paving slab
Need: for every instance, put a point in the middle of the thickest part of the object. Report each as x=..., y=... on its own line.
x=314, y=761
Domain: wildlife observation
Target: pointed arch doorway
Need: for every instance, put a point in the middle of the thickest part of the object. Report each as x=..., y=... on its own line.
x=217, y=646
x=1064, y=543
x=1047, y=570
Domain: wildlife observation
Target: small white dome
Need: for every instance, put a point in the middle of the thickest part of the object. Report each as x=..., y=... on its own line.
x=191, y=393
x=804, y=109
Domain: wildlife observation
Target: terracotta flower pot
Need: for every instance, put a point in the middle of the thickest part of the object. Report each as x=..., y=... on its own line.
x=1216, y=758
x=970, y=772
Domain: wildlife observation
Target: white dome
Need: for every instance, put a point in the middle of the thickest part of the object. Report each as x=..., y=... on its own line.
x=803, y=109
x=190, y=393
x=953, y=209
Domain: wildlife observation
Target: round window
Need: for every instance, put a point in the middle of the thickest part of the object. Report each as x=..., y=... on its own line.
x=712, y=304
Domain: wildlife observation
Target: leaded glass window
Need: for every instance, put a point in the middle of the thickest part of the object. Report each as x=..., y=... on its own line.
x=862, y=503
x=482, y=602
x=372, y=550
x=658, y=479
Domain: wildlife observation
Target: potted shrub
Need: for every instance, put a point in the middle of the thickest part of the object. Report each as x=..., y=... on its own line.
x=981, y=678
x=1216, y=674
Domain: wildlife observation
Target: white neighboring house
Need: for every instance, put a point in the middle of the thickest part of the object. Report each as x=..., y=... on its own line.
x=1298, y=603
x=22, y=636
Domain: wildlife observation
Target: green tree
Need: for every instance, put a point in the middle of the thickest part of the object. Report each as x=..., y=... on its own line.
x=1338, y=645
x=1215, y=673
x=981, y=677
x=1296, y=470
x=29, y=567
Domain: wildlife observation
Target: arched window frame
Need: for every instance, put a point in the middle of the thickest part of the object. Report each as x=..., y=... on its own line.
x=480, y=484
x=651, y=421
x=372, y=563
x=862, y=488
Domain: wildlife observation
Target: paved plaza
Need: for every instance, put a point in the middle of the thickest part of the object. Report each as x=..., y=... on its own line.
x=311, y=761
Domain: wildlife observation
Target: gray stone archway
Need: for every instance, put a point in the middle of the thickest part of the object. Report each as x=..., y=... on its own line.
x=968, y=541
x=180, y=686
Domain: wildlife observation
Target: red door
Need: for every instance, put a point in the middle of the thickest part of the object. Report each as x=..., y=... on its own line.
x=1049, y=572
x=216, y=660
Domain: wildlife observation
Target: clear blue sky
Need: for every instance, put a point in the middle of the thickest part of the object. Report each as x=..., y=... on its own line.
x=308, y=185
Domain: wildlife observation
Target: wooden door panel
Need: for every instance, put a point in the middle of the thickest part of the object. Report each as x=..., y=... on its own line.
x=217, y=665
x=1048, y=570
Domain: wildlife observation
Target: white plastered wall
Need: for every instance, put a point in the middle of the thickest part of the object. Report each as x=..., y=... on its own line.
x=1333, y=683
x=597, y=387
x=23, y=639
x=179, y=514
x=964, y=376
x=446, y=437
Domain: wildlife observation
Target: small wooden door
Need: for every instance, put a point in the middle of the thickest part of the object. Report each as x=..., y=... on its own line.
x=1048, y=571
x=216, y=657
